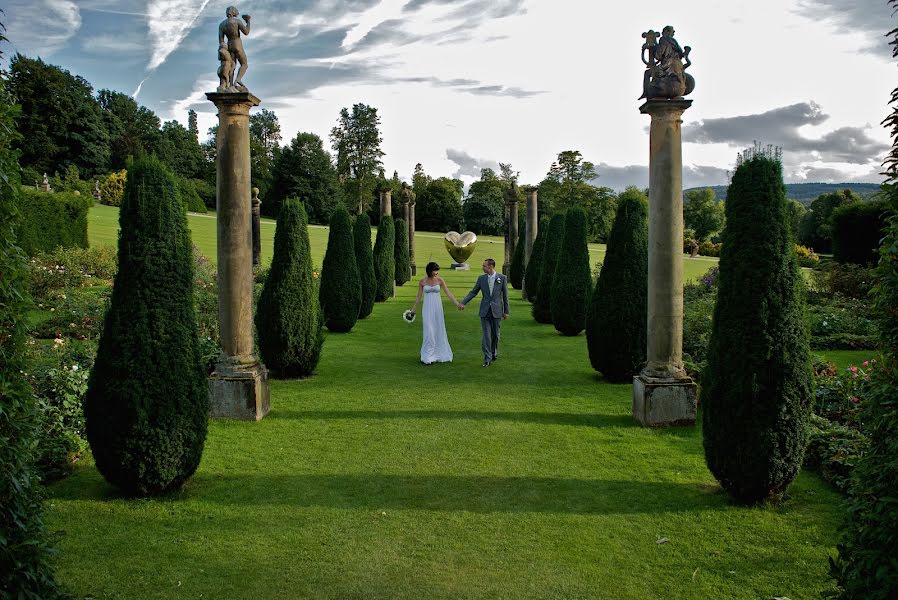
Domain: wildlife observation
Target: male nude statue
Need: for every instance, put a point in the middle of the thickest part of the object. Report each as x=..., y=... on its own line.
x=230, y=30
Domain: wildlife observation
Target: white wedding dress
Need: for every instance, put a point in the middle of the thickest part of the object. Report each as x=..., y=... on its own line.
x=435, y=347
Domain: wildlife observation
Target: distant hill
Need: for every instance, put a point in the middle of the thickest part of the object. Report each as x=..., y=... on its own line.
x=808, y=192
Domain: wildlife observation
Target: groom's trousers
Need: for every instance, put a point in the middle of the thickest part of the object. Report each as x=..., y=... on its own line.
x=490, y=326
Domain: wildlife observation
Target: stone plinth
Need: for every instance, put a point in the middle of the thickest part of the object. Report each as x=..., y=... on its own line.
x=460, y=267
x=411, y=237
x=652, y=405
x=239, y=387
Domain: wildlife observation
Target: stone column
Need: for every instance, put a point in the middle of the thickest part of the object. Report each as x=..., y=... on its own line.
x=257, y=228
x=238, y=388
x=386, y=202
x=532, y=220
x=662, y=393
x=411, y=234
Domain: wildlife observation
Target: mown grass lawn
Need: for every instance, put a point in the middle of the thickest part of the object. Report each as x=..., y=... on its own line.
x=382, y=478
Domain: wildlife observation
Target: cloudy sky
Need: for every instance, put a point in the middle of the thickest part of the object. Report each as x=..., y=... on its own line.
x=464, y=84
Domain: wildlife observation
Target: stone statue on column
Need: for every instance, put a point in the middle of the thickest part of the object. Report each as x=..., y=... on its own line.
x=665, y=73
x=229, y=32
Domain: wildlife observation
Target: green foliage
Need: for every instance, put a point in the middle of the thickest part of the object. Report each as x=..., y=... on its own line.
x=264, y=137
x=133, y=129
x=112, y=190
x=303, y=170
x=180, y=150
x=616, y=321
x=384, y=262
x=516, y=270
x=51, y=220
x=484, y=208
x=70, y=267
x=572, y=283
x=849, y=280
x=403, y=269
x=147, y=406
x=567, y=184
x=288, y=316
x=25, y=568
x=535, y=264
x=542, y=305
x=189, y=197
x=833, y=450
x=438, y=206
x=206, y=192
x=698, y=306
x=703, y=214
x=815, y=230
x=364, y=259
x=756, y=391
x=857, y=229
x=797, y=213
x=341, y=285
x=356, y=140
x=205, y=303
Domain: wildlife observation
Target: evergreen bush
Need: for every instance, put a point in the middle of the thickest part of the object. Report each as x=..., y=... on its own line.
x=147, y=405
x=572, y=283
x=51, y=220
x=535, y=264
x=341, y=285
x=190, y=198
x=516, y=270
x=542, y=305
x=403, y=269
x=756, y=390
x=384, y=262
x=288, y=314
x=364, y=259
x=856, y=232
x=616, y=321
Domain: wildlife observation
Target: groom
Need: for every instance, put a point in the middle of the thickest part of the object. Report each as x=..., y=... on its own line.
x=493, y=307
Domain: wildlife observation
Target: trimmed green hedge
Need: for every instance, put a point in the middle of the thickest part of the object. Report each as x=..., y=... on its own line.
x=542, y=305
x=756, y=394
x=364, y=259
x=535, y=264
x=384, y=261
x=341, y=286
x=147, y=403
x=51, y=220
x=403, y=267
x=516, y=270
x=572, y=284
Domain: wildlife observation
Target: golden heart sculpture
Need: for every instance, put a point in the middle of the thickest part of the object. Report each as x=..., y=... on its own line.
x=460, y=245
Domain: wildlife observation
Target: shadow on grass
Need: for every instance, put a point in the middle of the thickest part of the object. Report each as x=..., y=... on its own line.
x=539, y=418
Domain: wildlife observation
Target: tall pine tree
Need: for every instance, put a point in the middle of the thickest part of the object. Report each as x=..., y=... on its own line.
x=542, y=306
x=364, y=258
x=341, y=285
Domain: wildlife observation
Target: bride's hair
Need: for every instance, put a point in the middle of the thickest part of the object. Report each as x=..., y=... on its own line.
x=431, y=267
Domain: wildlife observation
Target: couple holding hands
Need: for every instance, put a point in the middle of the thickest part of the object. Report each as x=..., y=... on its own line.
x=493, y=310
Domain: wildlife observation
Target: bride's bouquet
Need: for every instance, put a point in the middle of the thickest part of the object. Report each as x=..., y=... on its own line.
x=408, y=316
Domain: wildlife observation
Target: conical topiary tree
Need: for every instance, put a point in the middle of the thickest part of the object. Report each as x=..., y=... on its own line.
x=341, y=285
x=756, y=389
x=516, y=270
x=147, y=405
x=572, y=283
x=542, y=305
x=535, y=264
x=616, y=320
x=403, y=269
x=364, y=259
x=288, y=315
x=384, y=262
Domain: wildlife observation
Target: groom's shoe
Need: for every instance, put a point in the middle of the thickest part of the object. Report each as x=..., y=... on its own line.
x=486, y=363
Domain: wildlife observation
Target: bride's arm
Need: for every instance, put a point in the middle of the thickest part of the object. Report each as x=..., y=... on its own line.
x=420, y=293
x=448, y=293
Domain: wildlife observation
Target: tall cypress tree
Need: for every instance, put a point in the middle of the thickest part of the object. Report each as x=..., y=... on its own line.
x=542, y=306
x=384, y=262
x=572, y=283
x=616, y=321
x=341, y=285
x=364, y=259
x=146, y=408
x=756, y=393
x=516, y=270
x=535, y=264
x=288, y=316
x=403, y=269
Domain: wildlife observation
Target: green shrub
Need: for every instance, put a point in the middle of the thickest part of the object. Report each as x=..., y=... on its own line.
x=756, y=393
x=51, y=220
x=535, y=264
x=709, y=249
x=206, y=192
x=698, y=306
x=616, y=321
x=857, y=229
x=849, y=280
x=189, y=196
x=205, y=303
x=384, y=262
x=364, y=259
x=64, y=268
x=341, y=285
x=806, y=256
x=572, y=283
x=112, y=189
x=833, y=450
x=288, y=317
x=403, y=269
x=516, y=270
x=542, y=305
x=147, y=400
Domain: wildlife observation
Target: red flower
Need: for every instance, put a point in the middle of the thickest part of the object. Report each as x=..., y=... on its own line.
x=855, y=399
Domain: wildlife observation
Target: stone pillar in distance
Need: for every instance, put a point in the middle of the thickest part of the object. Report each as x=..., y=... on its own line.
x=238, y=389
x=411, y=233
x=386, y=202
x=511, y=230
x=532, y=225
x=257, y=228
x=662, y=393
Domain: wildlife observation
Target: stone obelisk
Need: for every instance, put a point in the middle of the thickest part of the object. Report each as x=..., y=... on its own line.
x=663, y=394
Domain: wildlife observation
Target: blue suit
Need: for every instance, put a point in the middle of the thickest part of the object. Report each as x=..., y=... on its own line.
x=492, y=307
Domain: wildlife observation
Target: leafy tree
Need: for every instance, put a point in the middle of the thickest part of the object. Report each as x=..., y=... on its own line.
x=403, y=269
x=572, y=283
x=264, y=140
x=288, y=317
x=516, y=269
x=112, y=190
x=180, y=151
x=147, y=405
x=797, y=212
x=484, y=208
x=567, y=184
x=384, y=261
x=857, y=229
x=438, y=206
x=542, y=305
x=702, y=213
x=616, y=323
x=364, y=259
x=341, y=285
x=193, y=125
x=356, y=140
x=420, y=179
x=816, y=229
x=535, y=264
x=303, y=169
x=756, y=390
x=133, y=129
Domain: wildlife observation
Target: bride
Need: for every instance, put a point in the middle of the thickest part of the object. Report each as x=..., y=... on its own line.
x=435, y=347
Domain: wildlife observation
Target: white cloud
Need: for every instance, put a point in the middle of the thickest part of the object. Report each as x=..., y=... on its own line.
x=42, y=27
x=169, y=23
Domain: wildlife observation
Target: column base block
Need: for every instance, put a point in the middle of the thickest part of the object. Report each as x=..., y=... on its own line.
x=239, y=390
x=660, y=402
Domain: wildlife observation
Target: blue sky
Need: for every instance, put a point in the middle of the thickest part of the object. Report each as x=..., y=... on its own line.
x=464, y=84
